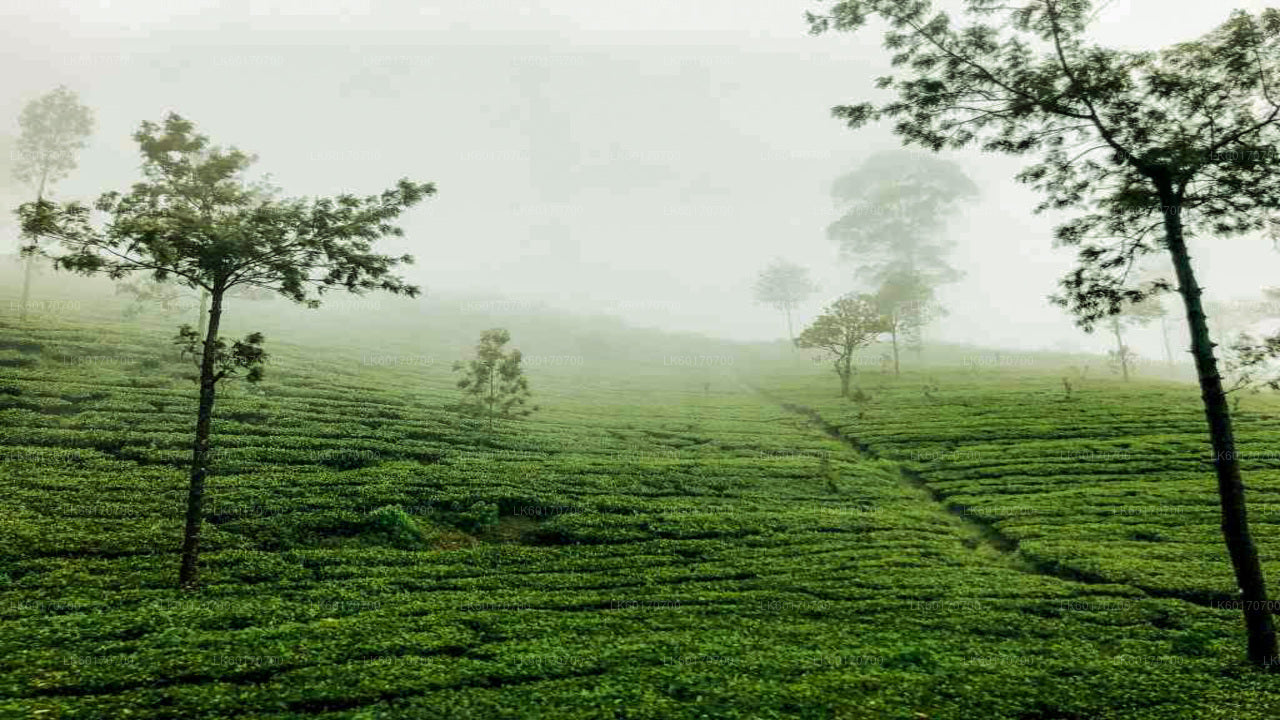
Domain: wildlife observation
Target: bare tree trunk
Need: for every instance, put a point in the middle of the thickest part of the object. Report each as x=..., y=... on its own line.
x=1235, y=524
x=1164, y=330
x=1122, y=352
x=204, y=312
x=30, y=261
x=189, y=575
x=790, y=333
x=26, y=288
x=893, y=335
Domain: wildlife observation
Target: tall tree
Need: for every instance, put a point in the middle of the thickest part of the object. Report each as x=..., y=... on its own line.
x=195, y=219
x=54, y=128
x=849, y=323
x=783, y=285
x=493, y=384
x=10, y=188
x=895, y=209
x=905, y=302
x=1148, y=147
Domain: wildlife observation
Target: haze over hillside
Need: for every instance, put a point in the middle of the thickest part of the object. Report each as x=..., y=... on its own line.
x=645, y=160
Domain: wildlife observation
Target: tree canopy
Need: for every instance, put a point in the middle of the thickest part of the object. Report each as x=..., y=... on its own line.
x=895, y=209
x=493, y=383
x=196, y=219
x=54, y=128
x=849, y=323
x=783, y=285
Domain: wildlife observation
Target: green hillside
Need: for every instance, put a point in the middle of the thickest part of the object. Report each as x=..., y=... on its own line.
x=686, y=528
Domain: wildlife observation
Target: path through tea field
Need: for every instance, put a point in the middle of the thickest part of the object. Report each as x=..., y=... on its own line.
x=659, y=541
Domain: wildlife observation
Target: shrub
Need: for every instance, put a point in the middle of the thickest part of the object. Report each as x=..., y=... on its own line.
x=391, y=525
x=479, y=516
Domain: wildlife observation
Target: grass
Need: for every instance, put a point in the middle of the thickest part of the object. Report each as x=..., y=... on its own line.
x=644, y=547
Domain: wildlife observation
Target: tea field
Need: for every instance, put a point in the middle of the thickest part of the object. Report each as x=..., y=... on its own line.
x=1111, y=484
x=663, y=539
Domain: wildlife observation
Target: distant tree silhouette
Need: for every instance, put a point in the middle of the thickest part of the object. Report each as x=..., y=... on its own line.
x=55, y=126
x=784, y=285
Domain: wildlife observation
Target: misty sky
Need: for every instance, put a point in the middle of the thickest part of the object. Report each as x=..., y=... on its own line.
x=638, y=159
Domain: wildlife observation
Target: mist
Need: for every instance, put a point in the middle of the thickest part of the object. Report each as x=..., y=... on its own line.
x=706, y=394
x=637, y=162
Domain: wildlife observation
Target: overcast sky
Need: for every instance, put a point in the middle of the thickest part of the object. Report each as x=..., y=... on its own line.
x=643, y=159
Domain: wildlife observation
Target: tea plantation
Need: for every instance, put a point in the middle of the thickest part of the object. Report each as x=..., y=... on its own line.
x=660, y=540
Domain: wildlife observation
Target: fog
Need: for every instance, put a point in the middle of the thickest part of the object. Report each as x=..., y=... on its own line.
x=643, y=161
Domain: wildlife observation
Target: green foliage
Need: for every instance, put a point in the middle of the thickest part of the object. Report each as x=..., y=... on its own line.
x=906, y=301
x=1125, y=137
x=175, y=224
x=851, y=322
x=1146, y=148
x=493, y=383
x=196, y=221
x=392, y=526
x=246, y=354
x=480, y=516
x=348, y=459
x=669, y=558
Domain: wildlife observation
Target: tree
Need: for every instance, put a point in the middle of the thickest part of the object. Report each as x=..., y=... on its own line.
x=1131, y=315
x=1157, y=274
x=195, y=220
x=895, y=209
x=904, y=300
x=494, y=385
x=784, y=285
x=55, y=126
x=849, y=323
x=8, y=158
x=1148, y=147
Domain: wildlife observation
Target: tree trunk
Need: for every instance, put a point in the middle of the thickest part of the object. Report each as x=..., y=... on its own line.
x=893, y=335
x=189, y=575
x=491, y=399
x=1164, y=330
x=1121, y=351
x=790, y=333
x=30, y=260
x=26, y=288
x=204, y=312
x=1235, y=524
x=843, y=369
